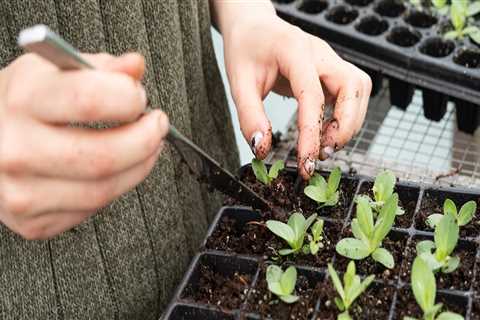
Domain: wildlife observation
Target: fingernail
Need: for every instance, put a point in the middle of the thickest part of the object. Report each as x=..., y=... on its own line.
x=255, y=142
x=327, y=152
x=309, y=166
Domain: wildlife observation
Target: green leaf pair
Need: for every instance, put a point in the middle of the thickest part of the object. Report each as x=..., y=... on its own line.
x=460, y=11
x=462, y=218
x=282, y=284
x=350, y=290
x=383, y=188
x=424, y=289
x=266, y=176
x=369, y=232
x=293, y=232
x=315, y=238
x=446, y=238
x=323, y=192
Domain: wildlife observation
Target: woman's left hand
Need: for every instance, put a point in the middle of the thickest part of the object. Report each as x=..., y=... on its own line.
x=264, y=53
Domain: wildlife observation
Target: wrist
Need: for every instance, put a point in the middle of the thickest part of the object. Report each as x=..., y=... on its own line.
x=229, y=15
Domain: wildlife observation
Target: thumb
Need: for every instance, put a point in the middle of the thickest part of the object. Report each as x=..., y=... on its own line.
x=255, y=126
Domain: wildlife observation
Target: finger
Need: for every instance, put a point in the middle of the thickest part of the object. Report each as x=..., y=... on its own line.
x=46, y=226
x=255, y=126
x=111, y=94
x=131, y=64
x=299, y=67
x=84, y=154
x=43, y=195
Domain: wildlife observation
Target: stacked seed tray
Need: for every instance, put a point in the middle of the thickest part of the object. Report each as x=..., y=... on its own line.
x=393, y=38
x=226, y=279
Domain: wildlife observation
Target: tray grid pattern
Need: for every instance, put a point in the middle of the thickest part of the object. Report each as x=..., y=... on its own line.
x=469, y=296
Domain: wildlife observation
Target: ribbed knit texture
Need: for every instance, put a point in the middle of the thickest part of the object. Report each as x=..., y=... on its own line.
x=125, y=262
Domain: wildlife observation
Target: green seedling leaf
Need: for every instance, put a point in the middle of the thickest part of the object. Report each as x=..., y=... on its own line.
x=282, y=230
x=385, y=220
x=384, y=257
x=452, y=265
x=353, y=248
x=467, y=212
x=358, y=233
x=423, y=285
x=473, y=8
x=316, y=193
x=275, y=169
x=350, y=290
x=433, y=220
x=286, y=252
x=334, y=180
x=282, y=284
x=318, y=180
x=344, y=316
x=297, y=223
x=431, y=261
x=317, y=230
x=425, y=246
x=475, y=35
x=451, y=35
x=260, y=171
x=458, y=14
x=365, y=216
x=446, y=237
x=450, y=208
x=438, y=4
x=449, y=316
x=383, y=186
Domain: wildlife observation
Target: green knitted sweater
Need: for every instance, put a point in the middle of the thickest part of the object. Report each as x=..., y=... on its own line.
x=125, y=262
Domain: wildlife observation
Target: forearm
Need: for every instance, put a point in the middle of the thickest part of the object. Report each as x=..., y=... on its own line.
x=226, y=13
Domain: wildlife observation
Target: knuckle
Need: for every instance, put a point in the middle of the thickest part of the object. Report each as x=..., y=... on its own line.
x=131, y=97
x=15, y=202
x=11, y=160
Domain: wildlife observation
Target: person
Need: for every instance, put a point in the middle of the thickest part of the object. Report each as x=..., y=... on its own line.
x=95, y=225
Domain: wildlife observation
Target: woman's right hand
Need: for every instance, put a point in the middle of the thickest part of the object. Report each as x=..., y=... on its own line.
x=52, y=175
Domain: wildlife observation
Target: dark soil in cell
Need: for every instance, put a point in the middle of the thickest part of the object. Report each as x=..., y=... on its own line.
x=404, y=37
x=408, y=197
x=360, y=3
x=437, y=47
x=218, y=290
x=313, y=6
x=475, y=315
x=395, y=242
x=407, y=306
x=460, y=279
x=469, y=58
x=374, y=303
x=348, y=188
x=342, y=15
x=256, y=239
x=433, y=203
x=390, y=8
x=266, y=304
x=420, y=19
x=372, y=25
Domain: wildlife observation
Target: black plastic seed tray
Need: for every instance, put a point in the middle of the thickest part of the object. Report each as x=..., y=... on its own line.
x=392, y=38
x=229, y=269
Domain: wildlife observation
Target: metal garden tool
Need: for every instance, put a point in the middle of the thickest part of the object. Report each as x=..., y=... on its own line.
x=50, y=46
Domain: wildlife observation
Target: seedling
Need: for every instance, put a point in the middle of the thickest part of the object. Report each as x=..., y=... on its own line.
x=293, y=232
x=350, y=290
x=382, y=190
x=460, y=12
x=446, y=238
x=441, y=6
x=462, y=218
x=425, y=289
x=315, y=238
x=369, y=233
x=266, y=176
x=323, y=192
x=282, y=284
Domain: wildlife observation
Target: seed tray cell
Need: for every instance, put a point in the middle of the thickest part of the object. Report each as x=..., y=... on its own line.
x=393, y=38
x=239, y=247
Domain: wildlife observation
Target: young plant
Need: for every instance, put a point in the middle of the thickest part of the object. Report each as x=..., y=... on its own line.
x=350, y=290
x=446, y=238
x=282, y=284
x=460, y=11
x=425, y=289
x=369, y=233
x=382, y=190
x=466, y=214
x=315, y=238
x=323, y=192
x=293, y=232
x=266, y=176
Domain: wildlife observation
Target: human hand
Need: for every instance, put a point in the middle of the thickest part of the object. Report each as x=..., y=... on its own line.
x=264, y=53
x=52, y=175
